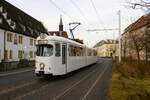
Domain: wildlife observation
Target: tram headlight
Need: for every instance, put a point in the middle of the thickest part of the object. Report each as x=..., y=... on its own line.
x=42, y=65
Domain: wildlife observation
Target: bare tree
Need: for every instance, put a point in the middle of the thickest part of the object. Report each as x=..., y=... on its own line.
x=139, y=44
x=139, y=4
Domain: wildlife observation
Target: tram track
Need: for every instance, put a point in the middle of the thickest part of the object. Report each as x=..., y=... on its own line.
x=55, y=83
x=73, y=86
x=70, y=89
x=56, y=88
x=93, y=85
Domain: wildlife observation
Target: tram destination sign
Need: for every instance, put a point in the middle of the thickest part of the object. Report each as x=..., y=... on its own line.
x=42, y=41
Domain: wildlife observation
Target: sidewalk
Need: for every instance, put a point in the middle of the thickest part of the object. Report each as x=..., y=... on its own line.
x=16, y=71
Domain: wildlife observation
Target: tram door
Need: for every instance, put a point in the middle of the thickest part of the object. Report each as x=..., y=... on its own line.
x=64, y=55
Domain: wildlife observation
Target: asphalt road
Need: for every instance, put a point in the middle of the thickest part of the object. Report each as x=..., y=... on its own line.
x=89, y=83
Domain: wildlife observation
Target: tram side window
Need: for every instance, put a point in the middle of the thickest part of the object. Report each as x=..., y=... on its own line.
x=82, y=51
x=89, y=53
x=76, y=51
x=79, y=51
x=72, y=51
x=57, y=49
x=95, y=53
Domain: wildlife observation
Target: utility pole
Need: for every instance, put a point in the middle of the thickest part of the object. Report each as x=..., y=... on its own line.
x=119, y=27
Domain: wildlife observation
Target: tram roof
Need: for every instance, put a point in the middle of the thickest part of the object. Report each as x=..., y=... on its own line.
x=62, y=39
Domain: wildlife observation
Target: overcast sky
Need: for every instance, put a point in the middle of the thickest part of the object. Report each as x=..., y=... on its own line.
x=93, y=14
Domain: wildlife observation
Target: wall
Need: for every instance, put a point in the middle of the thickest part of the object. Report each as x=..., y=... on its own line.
x=26, y=47
x=128, y=43
x=15, y=61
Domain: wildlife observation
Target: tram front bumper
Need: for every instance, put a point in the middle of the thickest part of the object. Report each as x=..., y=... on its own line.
x=43, y=72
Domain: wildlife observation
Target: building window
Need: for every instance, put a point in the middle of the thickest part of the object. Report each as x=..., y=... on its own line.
x=31, y=54
x=31, y=42
x=9, y=37
x=20, y=54
x=20, y=39
x=57, y=49
x=15, y=39
x=6, y=54
x=10, y=54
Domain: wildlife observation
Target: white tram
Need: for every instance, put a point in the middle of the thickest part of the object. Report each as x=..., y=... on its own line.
x=58, y=55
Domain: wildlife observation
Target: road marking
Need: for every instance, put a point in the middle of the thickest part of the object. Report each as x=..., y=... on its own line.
x=91, y=88
x=18, y=72
x=15, y=88
x=68, y=89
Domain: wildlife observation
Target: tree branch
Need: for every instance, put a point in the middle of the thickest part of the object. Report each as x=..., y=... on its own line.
x=142, y=4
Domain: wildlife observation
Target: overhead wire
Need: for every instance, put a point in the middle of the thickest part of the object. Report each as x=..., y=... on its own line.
x=97, y=14
x=65, y=13
x=80, y=11
x=60, y=9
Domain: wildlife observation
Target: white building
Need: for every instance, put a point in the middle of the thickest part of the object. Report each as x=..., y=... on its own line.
x=107, y=48
x=17, y=46
x=18, y=32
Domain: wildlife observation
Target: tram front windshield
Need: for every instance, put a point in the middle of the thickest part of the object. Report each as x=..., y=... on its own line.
x=44, y=50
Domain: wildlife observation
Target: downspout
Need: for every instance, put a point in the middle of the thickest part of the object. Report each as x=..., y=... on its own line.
x=4, y=45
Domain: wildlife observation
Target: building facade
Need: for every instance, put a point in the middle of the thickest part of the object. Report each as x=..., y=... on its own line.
x=136, y=39
x=107, y=48
x=18, y=32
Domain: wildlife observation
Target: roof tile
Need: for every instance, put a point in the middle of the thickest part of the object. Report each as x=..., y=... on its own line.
x=18, y=21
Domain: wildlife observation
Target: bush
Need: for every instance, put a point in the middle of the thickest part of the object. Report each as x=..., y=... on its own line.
x=132, y=69
x=130, y=81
